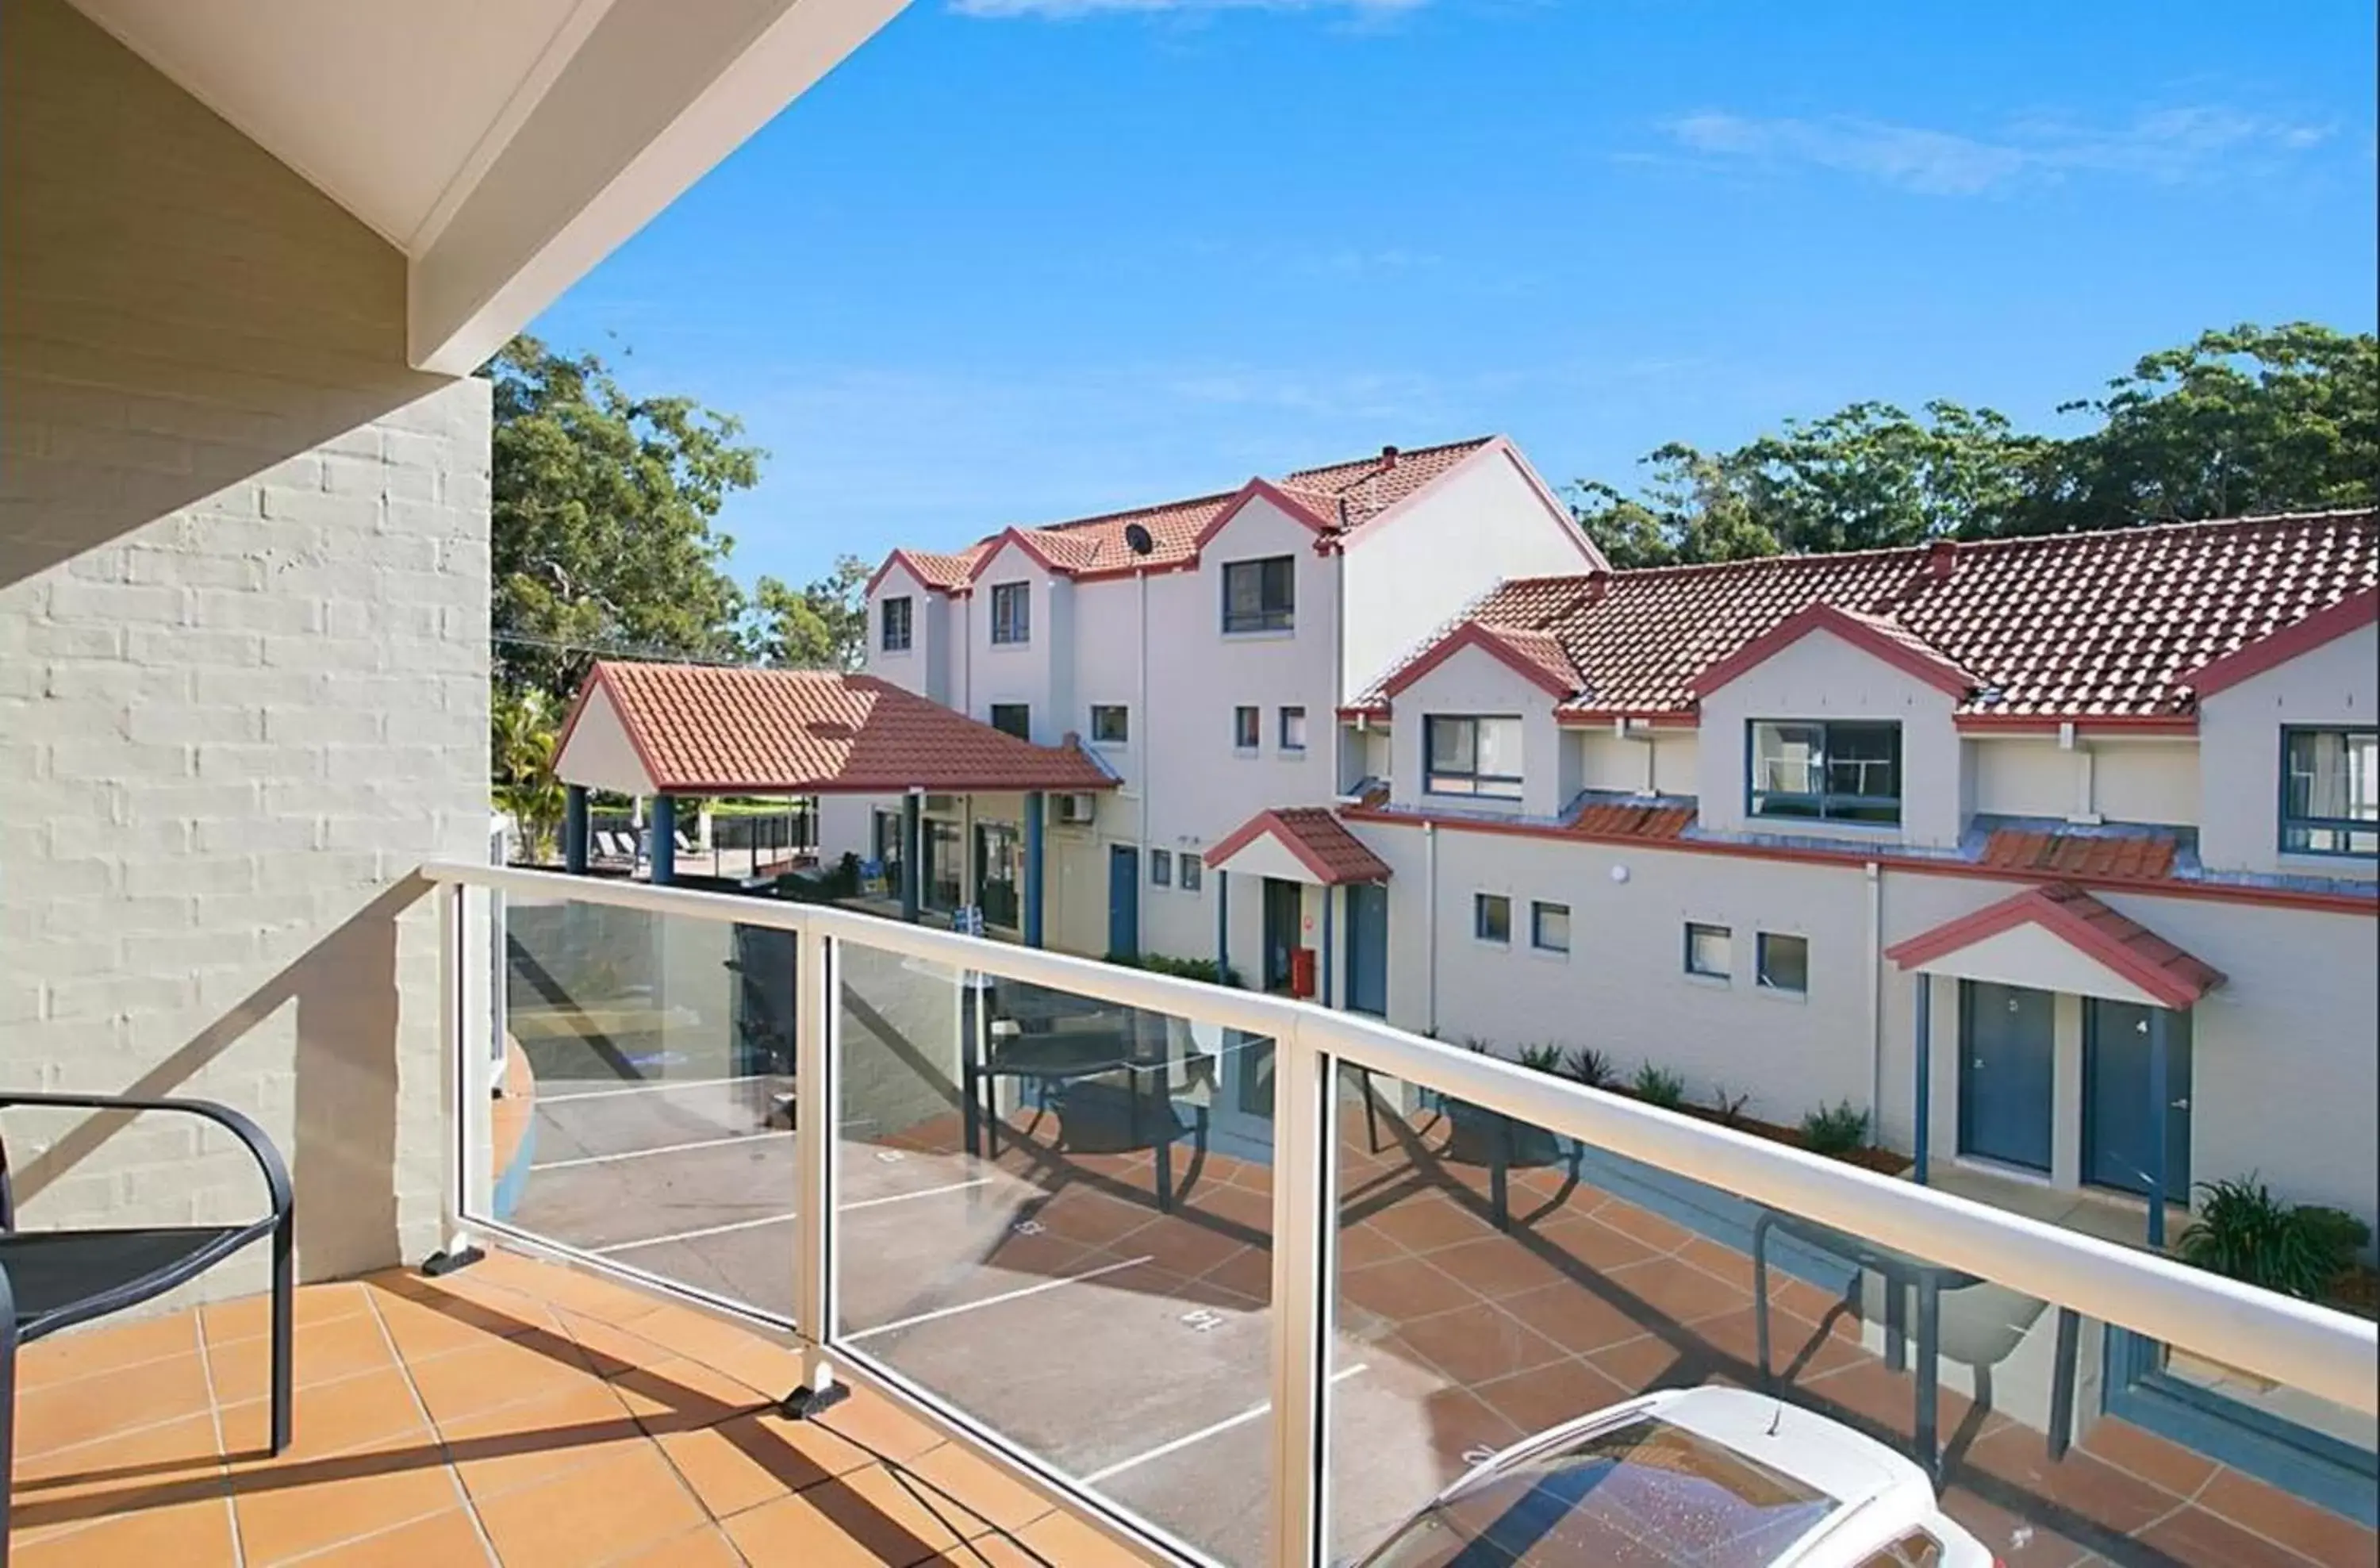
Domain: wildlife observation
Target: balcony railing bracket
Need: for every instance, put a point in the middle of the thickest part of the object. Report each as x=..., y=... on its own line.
x=803, y=1403
x=439, y=1263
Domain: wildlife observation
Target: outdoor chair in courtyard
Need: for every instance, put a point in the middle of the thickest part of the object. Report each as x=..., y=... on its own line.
x=53, y=1280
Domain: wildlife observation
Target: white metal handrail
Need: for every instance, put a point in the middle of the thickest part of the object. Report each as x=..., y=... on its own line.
x=2328, y=1353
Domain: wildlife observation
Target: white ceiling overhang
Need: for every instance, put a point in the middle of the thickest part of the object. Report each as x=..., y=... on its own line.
x=506, y=146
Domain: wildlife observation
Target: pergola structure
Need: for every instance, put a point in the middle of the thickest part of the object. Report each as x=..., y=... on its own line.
x=666, y=732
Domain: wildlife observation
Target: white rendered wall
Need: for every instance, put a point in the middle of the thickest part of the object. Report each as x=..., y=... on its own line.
x=2240, y=753
x=1473, y=683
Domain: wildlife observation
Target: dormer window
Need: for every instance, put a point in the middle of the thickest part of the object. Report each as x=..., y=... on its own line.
x=2330, y=791
x=1472, y=755
x=1840, y=771
x=895, y=614
x=1012, y=612
x=1260, y=596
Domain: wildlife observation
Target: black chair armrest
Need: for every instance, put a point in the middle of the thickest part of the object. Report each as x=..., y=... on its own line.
x=268, y=1158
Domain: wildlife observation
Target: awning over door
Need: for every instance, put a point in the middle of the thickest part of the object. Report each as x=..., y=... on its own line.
x=2059, y=938
x=1298, y=843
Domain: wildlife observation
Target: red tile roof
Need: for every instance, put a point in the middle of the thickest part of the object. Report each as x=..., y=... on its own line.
x=1315, y=836
x=1624, y=820
x=1336, y=498
x=2100, y=857
x=2107, y=936
x=1537, y=655
x=701, y=729
x=2071, y=626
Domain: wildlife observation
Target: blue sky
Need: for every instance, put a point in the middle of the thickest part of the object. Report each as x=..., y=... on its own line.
x=1017, y=261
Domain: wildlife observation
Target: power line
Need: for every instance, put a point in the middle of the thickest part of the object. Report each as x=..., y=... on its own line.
x=621, y=650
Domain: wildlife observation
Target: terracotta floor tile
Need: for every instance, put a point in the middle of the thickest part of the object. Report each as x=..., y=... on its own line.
x=224, y=1323
x=979, y=1486
x=623, y=1504
x=498, y=1373
x=1574, y=1317
x=991, y=1552
x=2275, y=1515
x=1250, y=1212
x=1462, y=1423
x=1795, y=1345
x=2152, y=1458
x=1500, y=1266
x=103, y=1348
x=1721, y=1262
x=876, y=1425
x=2192, y=1537
x=1678, y=1292
x=2018, y=1457
x=58, y=1414
x=319, y=1351
x=522, y=1445
x=423, y=1328
x=1404, y=1289
x=190, y=1535
x=1536, y=1400
x=743, y=1354
x=610, y=1349
x=681, y=1395
x=1246, y=1273
x=1476, y=1344
x=285, y=1510
x=870, y=1516
x=1362, y=1243
x=1591, y=1243
x=1185, y=1245
x=1643, y=1364
x=443, y=1540
x=1428, y=1221
x=328, y=1419
x=705, y=1547
x=1094, y=1219
x=749, y=1459
x=1063, y=1541
x=1641, y=1225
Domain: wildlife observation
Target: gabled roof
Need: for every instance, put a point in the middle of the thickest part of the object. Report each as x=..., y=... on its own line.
x=2108, y=937
x=1333, y=500
x=1536, y=655
x=2123, y=625
x=703, y=730
x=1879, y=635
x=2348, y=614
x=1315, y=837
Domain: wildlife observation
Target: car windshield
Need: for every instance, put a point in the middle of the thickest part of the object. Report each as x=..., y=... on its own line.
x=1645, y=1494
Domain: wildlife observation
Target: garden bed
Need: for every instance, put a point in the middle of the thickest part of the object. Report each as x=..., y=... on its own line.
x=1883, y=1161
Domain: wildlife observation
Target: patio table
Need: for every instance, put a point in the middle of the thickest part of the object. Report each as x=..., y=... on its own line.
x=1061, y=1055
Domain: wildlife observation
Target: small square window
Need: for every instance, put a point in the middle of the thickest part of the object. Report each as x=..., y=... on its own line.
x=1247, y=728
x=1013, y=718
x=1710, y=951
x=1161, y=867
x=1292, y=729
x=1784, y=963
x=1491, y=917
x=1111, y=724
x=896, y=613
x=1549, y=926
x=1193, y=871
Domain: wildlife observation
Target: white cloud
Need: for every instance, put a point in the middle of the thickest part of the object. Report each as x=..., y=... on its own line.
x=1370, y=9
x=2166, y=145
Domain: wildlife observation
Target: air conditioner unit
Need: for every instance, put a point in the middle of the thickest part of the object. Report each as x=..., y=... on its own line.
x=1077, y=809
x=943, y=805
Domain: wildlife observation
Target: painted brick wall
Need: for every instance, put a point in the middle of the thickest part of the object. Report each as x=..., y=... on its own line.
x=243, y=665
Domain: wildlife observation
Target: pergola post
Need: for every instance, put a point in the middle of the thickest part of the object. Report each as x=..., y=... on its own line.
x=574, y=829
x=1034, y=813
x=664, y=830
x=1329, y=903
x=912, y=852
x=1223, y=926
x=1925, y=1073
x=2160, y=1022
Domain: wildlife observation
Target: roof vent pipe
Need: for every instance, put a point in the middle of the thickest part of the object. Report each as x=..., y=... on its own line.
x=1388, y=457
x=1941, y=559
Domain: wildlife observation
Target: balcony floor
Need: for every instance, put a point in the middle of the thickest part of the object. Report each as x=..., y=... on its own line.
x=515, y=1414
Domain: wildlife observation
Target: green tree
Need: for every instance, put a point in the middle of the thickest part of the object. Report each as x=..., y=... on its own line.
x=1697, y=507
x=521, y=748
x=823, y=625
x=604, y=507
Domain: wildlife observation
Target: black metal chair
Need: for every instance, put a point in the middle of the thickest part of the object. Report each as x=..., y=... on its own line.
x=53, y=1280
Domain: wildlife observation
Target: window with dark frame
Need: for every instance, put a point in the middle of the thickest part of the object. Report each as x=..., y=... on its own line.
x=1835, y=770
x=1111, y=724
x=1192, y=871
x=2330, y=791
x=1011, y=612
x=1247, y=728
x=1549, y=926
x=896, y=613
x=1260, y=596
x=1161, y=867
x=1292, y=729
x=1474, y=756
x=1491, y=917
x=1710, y=951
x=1781, y=963
x=1013, y=718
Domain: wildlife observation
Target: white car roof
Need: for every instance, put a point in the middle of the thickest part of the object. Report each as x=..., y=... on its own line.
x=1821, y=1454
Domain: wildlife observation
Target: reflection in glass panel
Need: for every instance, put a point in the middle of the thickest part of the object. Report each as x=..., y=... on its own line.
x=1499, y=1287
x=649, y=1117
x=1055, y=1214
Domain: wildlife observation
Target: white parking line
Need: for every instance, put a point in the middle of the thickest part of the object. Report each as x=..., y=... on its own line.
x=692, y=1235
x=1255, y=1412
x=921, y=1192
x=996, y=1300
x=664, y=1149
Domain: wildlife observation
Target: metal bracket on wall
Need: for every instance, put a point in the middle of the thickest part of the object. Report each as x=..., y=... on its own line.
x=439, y=1263
x=803, y=1403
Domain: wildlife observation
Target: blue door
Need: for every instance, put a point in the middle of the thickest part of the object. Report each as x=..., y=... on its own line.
x=1368, y=949
x=2116, y=1121
x=1123, y=899
x=2008, y=1054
